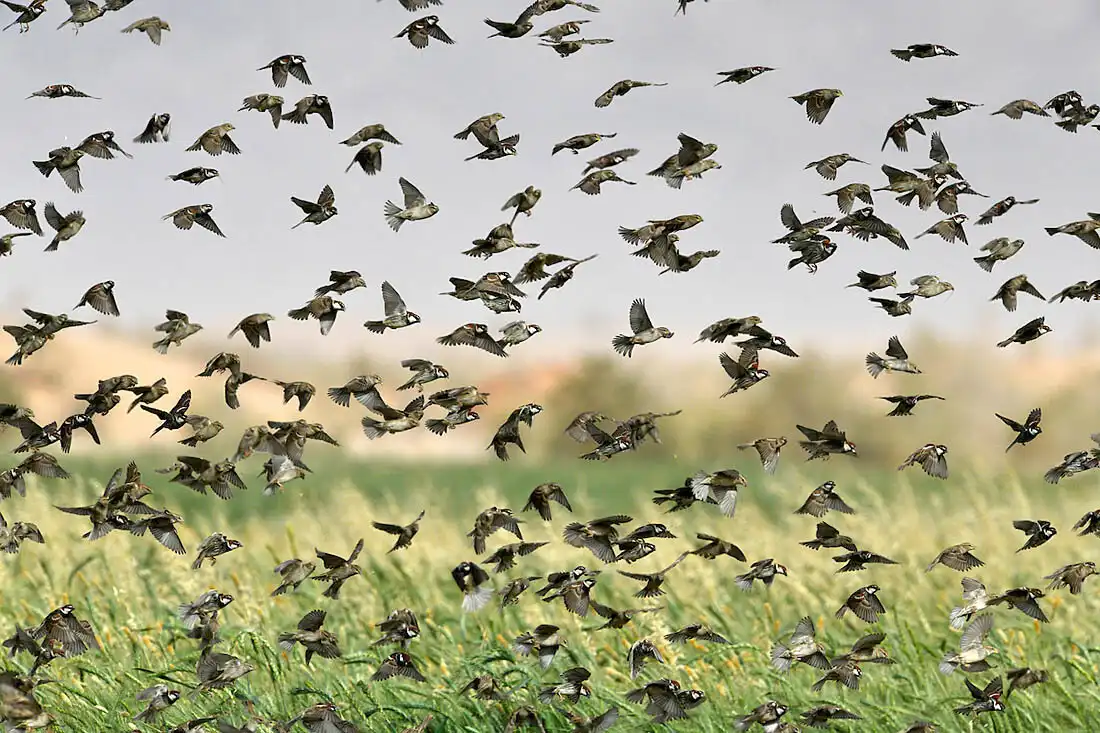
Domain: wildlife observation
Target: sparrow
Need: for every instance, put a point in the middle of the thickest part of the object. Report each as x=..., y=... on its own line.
x=576, y=143
x=828, y=441
x=644, y=332
x=857, y=560
x=1064, y=103
x=865, y=604
x=1023, y=678
x=621, y=88
x=828, y=166
x=768, y=450
x=818, y=103
x=897, y=133
x=162, y=525
x=1026, y=432
x=1071, y=576
x=400, y=628
x=173, y=419
x=61, y=626
x=972, y=648
x=523, y=202
x=922, y=51
x=764, y=340
x=763, y=570
x=270, y=103
x=1085, y=230
x=846, y=196
x=743, y=74
x=904, y=404
x=100, y=297
x=471, y=579
x=67, y=226
x=945, y=108
x=1030, y=331
x=393, y=420
x=610, y=160
x=802, y=646
x=473, y=334
x=13, y=535
x=846, y=672
x=157, y=130
x=957, y=557
x=508, y=433
x=371, y=132
x=719, y=331
x=948, y=229
x=21, y=215
x=597, y=536
x=1001, y=208
x=217, y=671
x=27, y=14
x=767, y=715
x=563, y=276
x=369, y=158
x=319, y=212
x=357, y=387
x=591, y=183
x=152, y=27
x=312, y=104
x=987, y=700
x=312, y=637
x=290, y=64
x=188, y=216
x=896, y=308
x=338, y=570
x=652, y=581
x=101, y=145
x=216, y=141
x=66, y=161
x=254, y=328
x=1073, y=464
x=716, y=547
x=157, y=698
x=826, y=535
x=212, y=547
x=397, y=315
x=416, y=208
x=929, y=286
x=896, y=360
x=57, y=91
x=542, y=495
x=1078, y=117
x=721, y=487
x=323, y=308
x=1024, y=600
x=573, y=686
x=931, y=458
x=421, y=30
x=293, y=573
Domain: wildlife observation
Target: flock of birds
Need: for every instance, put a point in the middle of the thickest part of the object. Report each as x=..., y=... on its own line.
x=124, y=507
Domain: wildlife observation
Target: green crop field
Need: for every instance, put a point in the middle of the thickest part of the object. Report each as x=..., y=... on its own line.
x=129, y=587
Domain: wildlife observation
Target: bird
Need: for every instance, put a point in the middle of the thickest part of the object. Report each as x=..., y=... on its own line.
x=1027, y=431
x=152, y=27
x=896, y=360
x=316, y=212
x=644, y=332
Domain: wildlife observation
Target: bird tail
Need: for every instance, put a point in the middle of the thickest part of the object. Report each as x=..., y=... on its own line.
x=623, y=344
x=1004, y=343
x=391, y=210
x=44, y=167
x=15, y=359
x=875, y=365
x=477, y=599
x=286, y=642
x=813, y=545
x=437, y=426
x=744, y=582
x=987, y=262
x=948, y=664
x=162, y=345
x=902, y=53
x=198, y=562
x=1050, y=230
x=781, y=657
x=375, y=326
x=958, y=618
x=372, y=428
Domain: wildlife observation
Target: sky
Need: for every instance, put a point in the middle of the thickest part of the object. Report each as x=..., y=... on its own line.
x=207, y=65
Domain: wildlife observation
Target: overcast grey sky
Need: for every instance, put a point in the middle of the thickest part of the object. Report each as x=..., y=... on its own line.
x=1008, y=49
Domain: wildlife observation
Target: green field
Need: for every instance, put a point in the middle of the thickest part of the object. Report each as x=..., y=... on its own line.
x=129, y=587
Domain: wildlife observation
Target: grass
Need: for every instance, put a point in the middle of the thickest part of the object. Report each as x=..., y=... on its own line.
x=129, y=588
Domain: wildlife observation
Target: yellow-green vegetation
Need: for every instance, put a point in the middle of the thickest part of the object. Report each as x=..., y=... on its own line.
x=129, y=588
